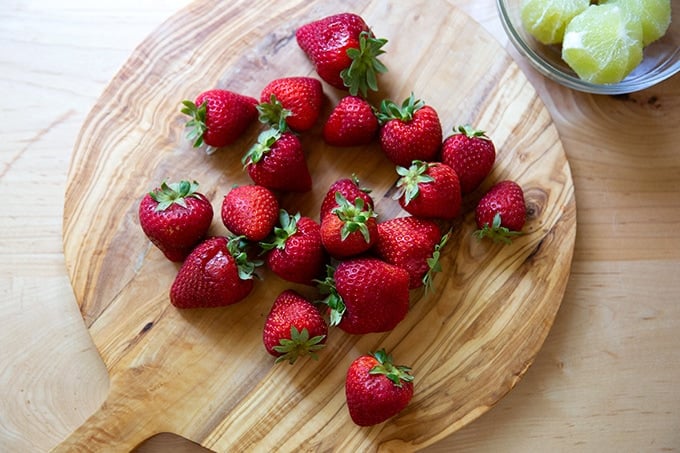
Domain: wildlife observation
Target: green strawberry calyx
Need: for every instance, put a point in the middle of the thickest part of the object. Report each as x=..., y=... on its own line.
x=273, y=114
x=174, y=193
x=408, y=185
x=391, y=111
x=354, y=216
x=265, y=141
x=362, y=73
x=433, y=263
x=196, y=126
x=299, y=344
x=496, y=231
x=287, y=228
x=398, y=374
x=470, y=132
x=236, y=246
x=333, y=299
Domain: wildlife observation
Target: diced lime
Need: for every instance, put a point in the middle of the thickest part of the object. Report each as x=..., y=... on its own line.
x=547, y=19
x=654, y=15
x=601, y=45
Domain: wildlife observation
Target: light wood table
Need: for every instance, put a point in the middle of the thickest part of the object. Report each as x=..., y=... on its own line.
x=607, y=376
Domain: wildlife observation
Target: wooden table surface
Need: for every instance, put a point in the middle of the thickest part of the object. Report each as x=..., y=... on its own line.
x=607, y=376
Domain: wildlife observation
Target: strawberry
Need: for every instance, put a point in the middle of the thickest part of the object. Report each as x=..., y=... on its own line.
x=175, y=217
x=350, y=228
x=250, y=211
x=294, y=328
x=351, y=123
x=277, y=162
x=293, y=102
x=348, y=188
x=413, y=244
x=216, y=273
x=366, y=294
x=218, y=117
x=410, y=132
x=471, y=154
x=344, y=52
x=376, y=389
x=296, y=253
x=501, y=212
x=429, y=189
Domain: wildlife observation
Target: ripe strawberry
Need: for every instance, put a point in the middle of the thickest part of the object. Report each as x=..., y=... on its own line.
x=296, y=253
x=350, y=228
x=218, y=117
x=175, y=217
x=351, y=123
x=348, y=188
x=376, y=389
x=410, y=132
x=501, y=213
x=216, y=273
x=413, y=244
x=366, y=294
x=293, y=102
x=429, y=189
x=250, y=211
x=294, y=327
x=277, y=162
x=343, y=51
x=471, y=154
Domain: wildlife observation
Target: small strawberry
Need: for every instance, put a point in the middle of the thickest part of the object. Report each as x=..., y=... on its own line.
x=410, y=132
x=175, y=217
x=471, y=154
x=294, y=328
x=216, y=273
x=350, y=228
x=501, y=212
x=429, y=189
x=351, y=123
x=218, y=117
x=376, y=389
x=343, y=51
x=365, y=295
x=277, y=162
x=250, y=211
x=349, y=188
x=296, y=253
x=293, y=102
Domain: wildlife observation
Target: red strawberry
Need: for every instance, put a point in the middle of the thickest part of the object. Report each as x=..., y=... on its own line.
x=471, y=154
x=294, y=102
x=343, y=51
x=277, y=162
x=175, y=217
x=410, y=132
x=350, y=228
x=366, y=294
x=296, y=253
x=216, y=273
x=352, y=122
x=218, y=117
x=250, y=211
x=348, y=188
x=413, y=244
x=294, y=327
x=501, y=213
x=376, y=389
x=429, y=190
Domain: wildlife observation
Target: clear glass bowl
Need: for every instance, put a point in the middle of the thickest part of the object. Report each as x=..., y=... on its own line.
x=661, y=58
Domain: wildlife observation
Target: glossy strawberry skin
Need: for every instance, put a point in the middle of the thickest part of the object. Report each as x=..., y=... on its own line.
x=471, y=155
x=351, y=123
x=227, y=116
x=439, y=199
x=251, y=211
x=349, y=188
x=507, y=199
x=301, y=96
x=352, y=245
x=417, y=139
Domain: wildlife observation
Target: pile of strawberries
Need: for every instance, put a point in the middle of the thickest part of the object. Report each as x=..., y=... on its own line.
x=363, y=267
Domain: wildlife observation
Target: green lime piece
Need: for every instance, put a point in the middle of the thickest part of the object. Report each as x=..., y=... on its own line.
x=546, y=20
x=653, y=15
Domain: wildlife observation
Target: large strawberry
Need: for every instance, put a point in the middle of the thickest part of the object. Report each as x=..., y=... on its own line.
x=350, y=229
x=343, y=51
x=216, y=273
x=175, y=217
x=376, y=389
x=429, y=189
x=352, y=122
x=294, y=328
x=501, y=212
x=277, y=162
x=293, y=102
x=471, y=153
x=350, y=189
x=366, y=294
x=250, y=211
x=295, y=253
x=218, y=117
x=409, y=132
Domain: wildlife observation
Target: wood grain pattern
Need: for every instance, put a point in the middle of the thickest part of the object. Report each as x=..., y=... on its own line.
x=203, y=374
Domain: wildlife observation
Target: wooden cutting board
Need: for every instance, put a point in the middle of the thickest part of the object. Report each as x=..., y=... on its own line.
x=204, y=374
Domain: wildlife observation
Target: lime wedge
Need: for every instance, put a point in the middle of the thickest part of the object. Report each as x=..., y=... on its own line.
x=547, y=19
x=653, y=15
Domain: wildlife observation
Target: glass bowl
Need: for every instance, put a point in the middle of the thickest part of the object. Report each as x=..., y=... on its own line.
x=661, y=58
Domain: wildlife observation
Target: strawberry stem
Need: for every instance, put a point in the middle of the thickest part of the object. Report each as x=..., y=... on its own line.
x=273, y=114
x=196, y=126
x=287, y=228
x=299, y=344
x=398, y=374
x=333, y=300
x=353, y=216
x=496, y=231
x=362, y=74
x=236, y=246
x=408, y=184
x=265, y=141
x=391, y=111
x=174, y=193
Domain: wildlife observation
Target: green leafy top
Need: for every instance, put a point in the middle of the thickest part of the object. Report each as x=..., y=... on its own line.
x=236, y=246
x=496, y=231
x=287, y=228
x=398, y=374
x=362, y=74
x=333, y=298
x=433, y=264
x=391, y=111
x=273, y=114
x=175, y=193
x=410, y=179
x=299, y=344
x=354, y=216
x=470, y=131
x=265, y=141
x=196, y=126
